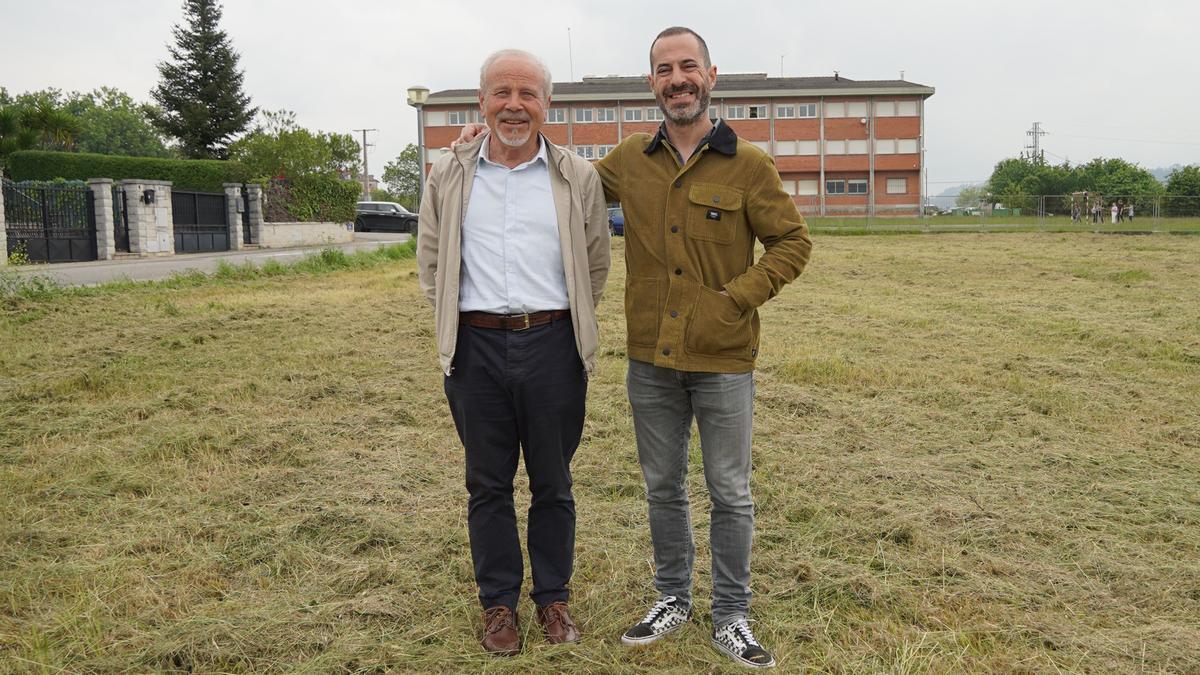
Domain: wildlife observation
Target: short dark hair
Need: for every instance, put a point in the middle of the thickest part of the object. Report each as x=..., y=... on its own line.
x=681, y=30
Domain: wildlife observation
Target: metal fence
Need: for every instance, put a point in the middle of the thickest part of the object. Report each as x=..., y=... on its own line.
x=49, y=223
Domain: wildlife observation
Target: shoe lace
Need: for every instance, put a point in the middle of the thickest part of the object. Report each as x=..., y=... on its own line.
x=497, y=618
x=741, y=628
x=557, y=613
x=660, y=607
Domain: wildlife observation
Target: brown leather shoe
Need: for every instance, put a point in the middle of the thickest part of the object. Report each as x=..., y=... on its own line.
x=500, y=635
x=555, y=619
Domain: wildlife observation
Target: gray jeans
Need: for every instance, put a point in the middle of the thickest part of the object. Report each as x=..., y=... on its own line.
x=664, y=401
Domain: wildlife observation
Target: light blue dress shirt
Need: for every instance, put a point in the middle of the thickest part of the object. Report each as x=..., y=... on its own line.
x=511, y=256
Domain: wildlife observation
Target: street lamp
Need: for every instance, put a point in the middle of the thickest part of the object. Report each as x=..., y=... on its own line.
x=417, y=95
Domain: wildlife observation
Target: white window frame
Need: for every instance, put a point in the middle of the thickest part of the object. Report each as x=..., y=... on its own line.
x=861, y=183
x=807, y=188
x=633, y=115
x=735, y=112
x=897, y=186
x=885, y=108
x=456, y=118
x=586, y=151
x=806, y=110
x=907, y=109
x=785, y=112
x=654, y=114
x=885, y=146
x=556, y=115
x=714, y=112
x=907, y=146
x=602, y=150
x=835, y=147
x=809, y=147
x=606, y=114
x=584, y=115
x=856, y=109
x=765, y=146
x=835, y=109
x=835, y=182
x=756, y=112
x=856, y=147
x=789, y=186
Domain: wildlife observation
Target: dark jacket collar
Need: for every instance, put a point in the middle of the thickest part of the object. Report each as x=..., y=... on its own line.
x=720, y=138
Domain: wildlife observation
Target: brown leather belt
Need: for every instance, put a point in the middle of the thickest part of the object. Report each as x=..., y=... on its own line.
x=512, y=321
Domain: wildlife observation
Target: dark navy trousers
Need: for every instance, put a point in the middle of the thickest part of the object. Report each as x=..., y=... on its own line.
x=514, y=392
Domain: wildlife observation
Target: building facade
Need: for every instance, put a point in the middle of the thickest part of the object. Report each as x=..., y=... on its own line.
x=842, y=147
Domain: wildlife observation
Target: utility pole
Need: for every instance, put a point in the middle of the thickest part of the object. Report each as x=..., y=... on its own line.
x=366, y=180
x=570, y=54
x=1035, y=147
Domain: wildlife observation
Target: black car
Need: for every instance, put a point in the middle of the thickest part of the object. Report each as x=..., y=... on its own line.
x=384, y=217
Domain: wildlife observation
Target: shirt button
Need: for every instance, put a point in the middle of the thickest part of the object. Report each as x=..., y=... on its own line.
x=674, y=228
x=679, y=182
x=674, y=314
x=678, y=271
x=667, y=351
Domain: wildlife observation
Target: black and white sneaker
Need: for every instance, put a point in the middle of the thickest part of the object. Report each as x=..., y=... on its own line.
x=666, y=616
x=736, y=640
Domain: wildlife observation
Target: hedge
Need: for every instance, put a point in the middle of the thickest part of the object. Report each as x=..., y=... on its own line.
x=315, y=198
x=206, y=175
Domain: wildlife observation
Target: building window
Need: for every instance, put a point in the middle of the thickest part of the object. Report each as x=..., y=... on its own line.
x=785, y=112
x=789, y=186
x=603, y=150
x=633, y=114
x=586, y=151
x=835, y=109
x=906, y=108
x=806, y=110
x=897, y=186
x=556, y=116
x=714, y=112
x=757, y=112
x=835, y=187
x=456, y=118
x=806, y=188
x=432, y=154
x=583, y=114
x=885, y=146
x=856, y=147
x=857, y=187
x=835, y=147
x=906, y=146
x=476, y=116
x=856, y=109
x=606, y=115
x=735, y=112
x=435, y=118
x=655, y=114
x=885, y=109
x=765, y=146
x=806, y=147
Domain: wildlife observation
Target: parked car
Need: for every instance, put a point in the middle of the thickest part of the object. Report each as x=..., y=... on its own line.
x=384, y=217
x=616, y=221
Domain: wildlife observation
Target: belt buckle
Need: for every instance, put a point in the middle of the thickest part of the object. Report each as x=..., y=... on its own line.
x=526, y=326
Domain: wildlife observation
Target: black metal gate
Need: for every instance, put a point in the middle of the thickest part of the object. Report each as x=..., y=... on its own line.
x=50, y=224
x=247, y=235
x=120, y=220
x=201, y=221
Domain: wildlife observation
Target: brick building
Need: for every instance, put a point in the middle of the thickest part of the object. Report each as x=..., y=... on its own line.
x=841, y=146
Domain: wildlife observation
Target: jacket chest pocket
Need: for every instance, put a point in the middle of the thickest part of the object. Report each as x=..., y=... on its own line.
x=714, y=212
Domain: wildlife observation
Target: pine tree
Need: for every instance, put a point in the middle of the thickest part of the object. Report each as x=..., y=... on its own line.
x=200, y=90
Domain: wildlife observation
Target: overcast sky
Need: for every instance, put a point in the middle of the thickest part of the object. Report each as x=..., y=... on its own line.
x=1105, y=78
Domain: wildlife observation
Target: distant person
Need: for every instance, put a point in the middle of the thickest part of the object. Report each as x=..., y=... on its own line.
x=1130, y=212
x=1115, y=211
x=1075, y=213
x=1120, y=210
x=513, y=254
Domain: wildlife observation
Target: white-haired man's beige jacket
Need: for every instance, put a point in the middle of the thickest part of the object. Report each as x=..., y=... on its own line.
x=582, y=234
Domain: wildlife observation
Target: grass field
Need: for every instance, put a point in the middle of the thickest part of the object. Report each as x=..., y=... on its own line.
x=954, y=223
x=974, y=453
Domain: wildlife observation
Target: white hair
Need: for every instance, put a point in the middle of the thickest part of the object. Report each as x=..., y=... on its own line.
x=548, y=84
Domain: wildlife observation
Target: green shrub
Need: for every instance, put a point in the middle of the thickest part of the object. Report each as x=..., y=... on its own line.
x=206, y=175
x=312, y=198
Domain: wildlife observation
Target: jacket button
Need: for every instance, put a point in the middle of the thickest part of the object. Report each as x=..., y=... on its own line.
x=716, y=199
x=678, y=271
x=667, y=351
x=674, y=228
x=674, y=314
x=679, y=182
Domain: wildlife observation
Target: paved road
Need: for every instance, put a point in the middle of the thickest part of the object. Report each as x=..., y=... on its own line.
x=150, y=269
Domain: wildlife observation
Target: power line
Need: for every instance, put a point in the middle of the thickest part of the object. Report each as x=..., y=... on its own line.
x=1128, y=140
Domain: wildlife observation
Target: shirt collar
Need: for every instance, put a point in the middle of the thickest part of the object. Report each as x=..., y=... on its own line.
x=720, y=138
x=541, y=154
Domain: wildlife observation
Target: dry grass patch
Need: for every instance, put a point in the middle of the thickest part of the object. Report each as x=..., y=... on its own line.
x=973, y=453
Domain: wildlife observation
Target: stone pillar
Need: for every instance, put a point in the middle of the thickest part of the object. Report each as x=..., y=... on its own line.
x=256, y=211
x=151, y=228
x=3, y=232
x=233, y=214
x=102, y=200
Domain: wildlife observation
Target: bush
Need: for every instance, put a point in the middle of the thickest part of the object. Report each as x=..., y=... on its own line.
x=206, y=175
x=313, y=198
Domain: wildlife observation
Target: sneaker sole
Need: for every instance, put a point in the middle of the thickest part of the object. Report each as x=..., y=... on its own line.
x=749, y=664
x=634, y=642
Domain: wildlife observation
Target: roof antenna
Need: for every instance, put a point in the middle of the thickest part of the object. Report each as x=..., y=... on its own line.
x=836, y=77
x=902, y=76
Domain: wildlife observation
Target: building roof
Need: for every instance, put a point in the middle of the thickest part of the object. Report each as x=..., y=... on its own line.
x=739, y=85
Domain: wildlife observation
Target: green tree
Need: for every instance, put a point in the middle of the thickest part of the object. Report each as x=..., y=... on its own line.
x=1117, y=178
x=200, y=90
x=970, y=196
x=36, y=120
x=111, y=123
x=280, y=148
x=403, y=177
x=1183, y=192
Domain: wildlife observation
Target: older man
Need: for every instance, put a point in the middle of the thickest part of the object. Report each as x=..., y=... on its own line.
x=512, y=251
